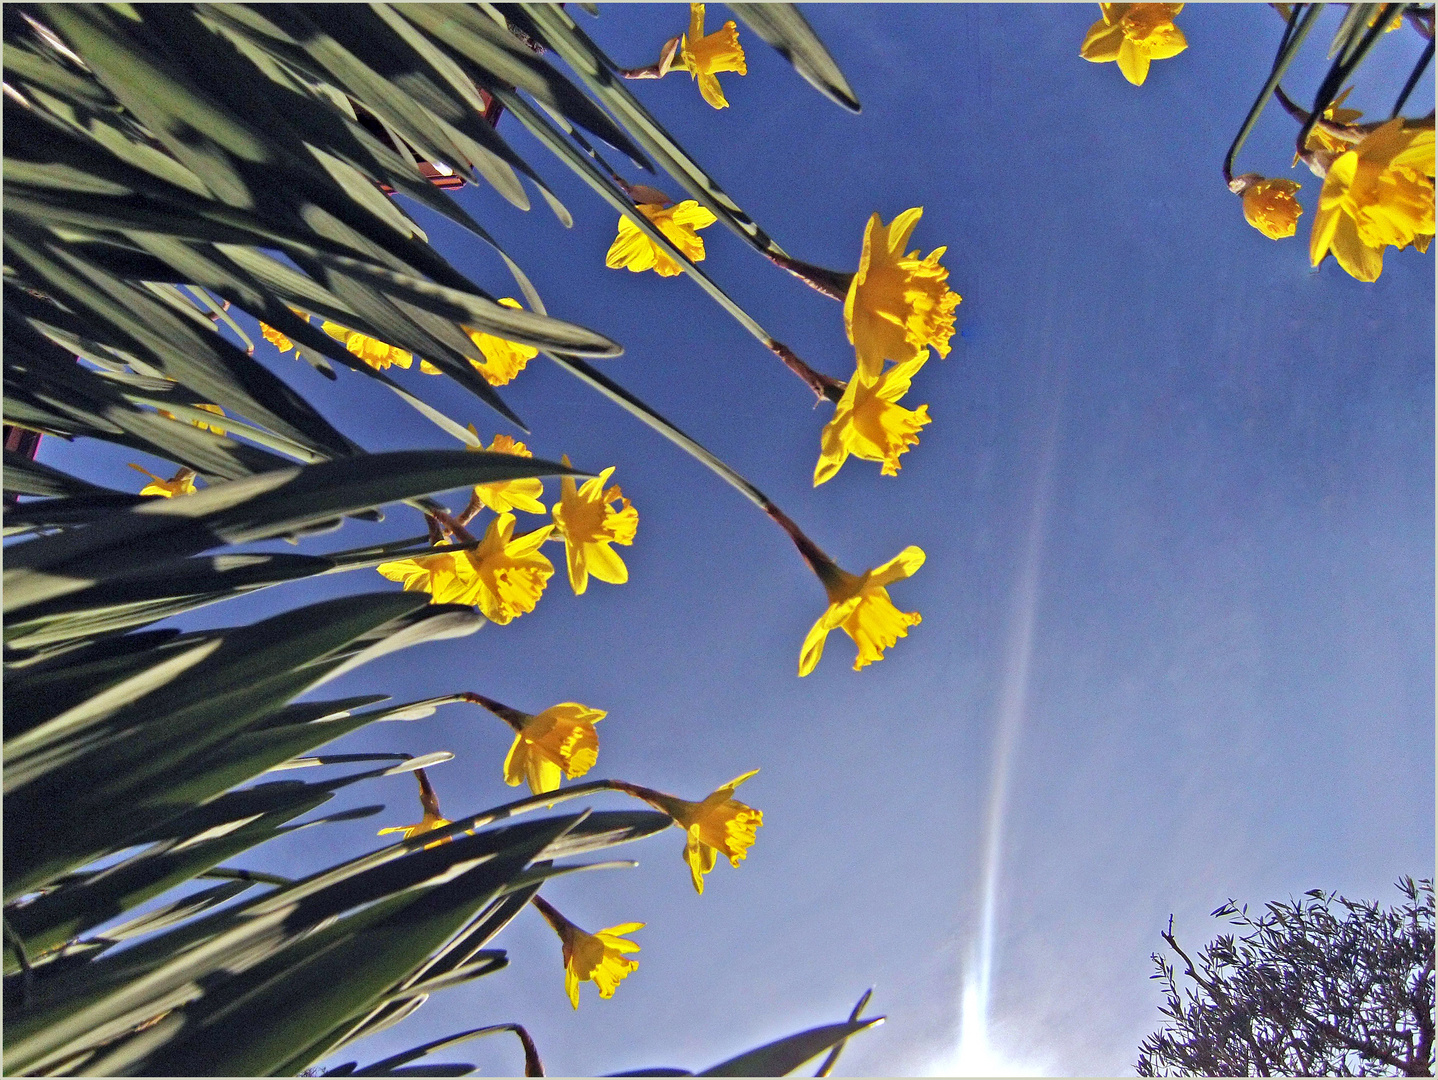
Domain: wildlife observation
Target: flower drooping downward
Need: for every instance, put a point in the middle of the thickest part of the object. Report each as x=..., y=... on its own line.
x=719, y=825
x=522, y=494
x=182, y=483
x=1269, y=205
x=1134, y=34
x=635, y=251
x=503, y=360
x=1378, y=194
x=860, y=606
x=597, y=958
x=432, y=818
x=703, y=56
x=559, y=741
x=868, y=424
x=589, y=523
x=897, y=304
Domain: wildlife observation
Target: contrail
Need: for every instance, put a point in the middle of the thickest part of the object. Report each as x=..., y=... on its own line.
x=975, y=1056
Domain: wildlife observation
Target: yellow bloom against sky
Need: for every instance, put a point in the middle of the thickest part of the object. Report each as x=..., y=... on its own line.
x=439, y=575
x=432, y=819
x=589, y=523
x=860, y=606
x=1133, y=35
x=522, y=494
x=897, y=304
x=718, y=825
x=182, y=483
x=372, y=351
x=1270, y=207
x=506, y=574
x=869, y=424
x=1378, y=194
x=704, y=56
x=598, y=958
x=503, y=360
x=559, y=740
x=1319, y=139
x=275, y=338
x=634, y=251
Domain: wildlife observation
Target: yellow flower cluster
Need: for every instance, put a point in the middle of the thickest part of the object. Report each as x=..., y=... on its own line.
x=503, y=360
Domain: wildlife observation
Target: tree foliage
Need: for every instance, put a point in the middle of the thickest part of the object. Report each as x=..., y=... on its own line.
x=1322, y=986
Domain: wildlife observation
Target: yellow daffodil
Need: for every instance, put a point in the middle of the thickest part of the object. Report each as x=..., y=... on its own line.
x=598, y=958
x=506, y=573
x=200, y=423
x=275, y=338
x=522, y=494
x=589, y=523
x=1134, y=34
x=439, y=575
x=897, y=304
x=182, y=483
x=431, y=820
x=1330, y=142
x=718, y=825
x=703, y=56
x=868, y=424
x=559, y=741
x=1378, y=194
x=372, y=351
x=860, y=606
x=503, y=360
x=504, y=576
x=633, y=250
x=1269, y=205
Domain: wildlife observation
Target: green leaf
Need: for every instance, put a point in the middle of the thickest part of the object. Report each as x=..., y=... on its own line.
x=783, y=1056
x=25, y=476
x=783, y=27
x=242, y=511
x=598, y=73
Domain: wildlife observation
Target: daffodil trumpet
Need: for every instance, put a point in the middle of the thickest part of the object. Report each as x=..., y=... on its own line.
x=558, y=742
x=718, y=824
x=599, y=957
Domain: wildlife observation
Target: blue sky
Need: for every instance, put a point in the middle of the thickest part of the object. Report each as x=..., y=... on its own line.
x=1215, y=463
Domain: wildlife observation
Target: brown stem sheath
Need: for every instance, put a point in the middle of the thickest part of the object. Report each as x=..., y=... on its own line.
x=822, y=385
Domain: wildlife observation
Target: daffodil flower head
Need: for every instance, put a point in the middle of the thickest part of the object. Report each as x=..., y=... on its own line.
x=860, y=606
x=718, y=825
x=1269, y=204
x=560, y=741
x=275, y=338
x=704, y=56
x=522, y=494
x=503, y=360
x=1376, y=195
x=869, y=423
x=372, y=351
x=634, y=251
x=505, y=574
x=432, y=819
x=1133, y=35
x=441, y=575
x=589, y=523
x=182, y=483
x=598, y=958
x=897, y=305
x=200, y=423
x=1322, y=139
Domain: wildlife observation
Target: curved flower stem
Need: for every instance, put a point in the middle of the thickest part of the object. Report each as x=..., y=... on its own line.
x=822, y=385
x=832, y=283
x=1418, y=70
x=513, y=717
x=1348, y=60
x=650, y=71
x=1293, y=36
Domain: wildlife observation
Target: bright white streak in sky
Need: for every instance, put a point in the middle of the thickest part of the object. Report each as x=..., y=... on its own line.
x=975, y=1054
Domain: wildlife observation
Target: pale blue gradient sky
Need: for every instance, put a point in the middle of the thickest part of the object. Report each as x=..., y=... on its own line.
x=1230, y=690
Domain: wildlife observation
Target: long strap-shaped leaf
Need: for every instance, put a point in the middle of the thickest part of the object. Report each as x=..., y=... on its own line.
x=783, y=27
x=559, y=32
